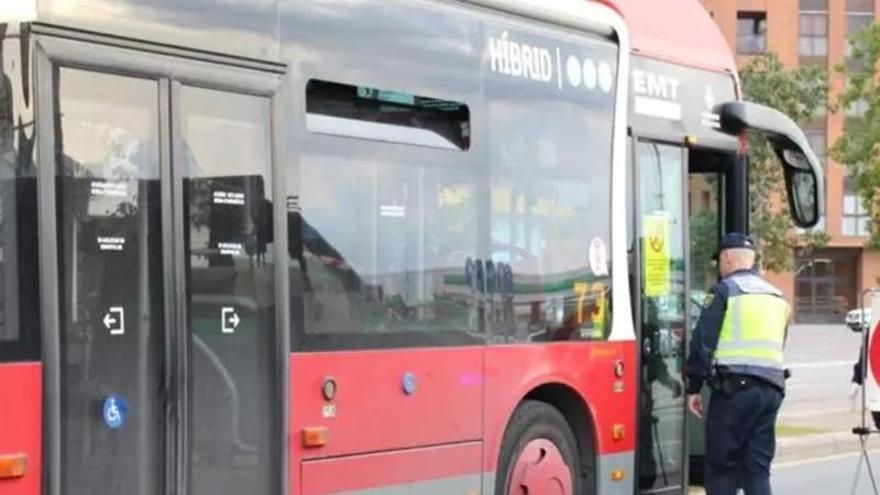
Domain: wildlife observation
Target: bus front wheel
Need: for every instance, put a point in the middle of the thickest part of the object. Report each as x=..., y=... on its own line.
x=538, y=454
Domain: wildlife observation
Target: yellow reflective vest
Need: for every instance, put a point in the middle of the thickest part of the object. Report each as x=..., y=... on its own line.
x=754, y=328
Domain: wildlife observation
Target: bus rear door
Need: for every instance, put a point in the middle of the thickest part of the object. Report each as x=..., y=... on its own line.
x=163, y=370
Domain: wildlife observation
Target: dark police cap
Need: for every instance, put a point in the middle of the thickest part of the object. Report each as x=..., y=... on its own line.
x=734, y=240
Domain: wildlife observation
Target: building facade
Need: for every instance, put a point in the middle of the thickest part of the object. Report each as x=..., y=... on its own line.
x=826, y=283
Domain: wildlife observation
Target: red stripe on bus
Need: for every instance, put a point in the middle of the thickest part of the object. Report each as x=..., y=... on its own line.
x=386, y=469
x=20, y=423
x=460, y=395
x=372, y=412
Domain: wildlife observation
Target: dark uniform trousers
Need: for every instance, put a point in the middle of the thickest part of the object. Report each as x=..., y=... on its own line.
x=740, y=435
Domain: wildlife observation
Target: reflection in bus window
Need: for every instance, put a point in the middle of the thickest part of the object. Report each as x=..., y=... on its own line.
x=392, y=247
x=550, y=205
x=111, y=279
x=19, y=289
x=661, y=215
x=230, y=290
x=704, y=193
x=383, y=115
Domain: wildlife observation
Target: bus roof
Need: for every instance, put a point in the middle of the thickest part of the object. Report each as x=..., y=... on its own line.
x=685, y=34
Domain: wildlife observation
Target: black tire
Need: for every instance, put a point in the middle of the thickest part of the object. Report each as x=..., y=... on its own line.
x=530, y=421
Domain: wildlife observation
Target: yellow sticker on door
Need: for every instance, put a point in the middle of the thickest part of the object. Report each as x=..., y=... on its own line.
x=656, y=254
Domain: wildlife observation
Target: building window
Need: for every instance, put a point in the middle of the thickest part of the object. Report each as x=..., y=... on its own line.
x=854, y=114
x=751, y=32
x=856, y=221
x=813, y=38
x=857, y=108
x=859, y=14
x=860, y=6
x=816, y=135
x=814, y=5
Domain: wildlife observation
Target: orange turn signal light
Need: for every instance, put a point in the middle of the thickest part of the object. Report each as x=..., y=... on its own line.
x=618, y=432
x=618, y=475
x=315, y=436
x=619, y=369
x=13, y=465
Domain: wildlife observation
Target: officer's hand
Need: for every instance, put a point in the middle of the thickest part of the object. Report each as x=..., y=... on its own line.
x=695, y=404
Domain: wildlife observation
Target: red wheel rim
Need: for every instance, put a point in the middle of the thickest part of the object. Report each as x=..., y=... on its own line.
x=540, y=469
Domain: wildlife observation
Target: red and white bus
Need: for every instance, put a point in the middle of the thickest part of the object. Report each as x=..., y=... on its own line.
x=361, y=246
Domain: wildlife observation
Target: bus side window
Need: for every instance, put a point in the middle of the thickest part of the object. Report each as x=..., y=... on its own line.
x=550, y=204
x=379, y=234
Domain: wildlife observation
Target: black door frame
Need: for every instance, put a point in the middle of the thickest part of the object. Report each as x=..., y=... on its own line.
x=54, y=47
x=721, y=163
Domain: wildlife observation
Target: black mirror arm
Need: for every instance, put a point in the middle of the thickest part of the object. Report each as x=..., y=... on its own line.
x=738, y=117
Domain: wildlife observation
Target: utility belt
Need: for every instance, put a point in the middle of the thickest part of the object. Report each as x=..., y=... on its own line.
x=730, y=383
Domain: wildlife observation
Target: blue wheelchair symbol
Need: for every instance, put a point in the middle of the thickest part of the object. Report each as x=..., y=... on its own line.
x=115, y=411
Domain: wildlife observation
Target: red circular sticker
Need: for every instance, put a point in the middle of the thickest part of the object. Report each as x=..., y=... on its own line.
x=874, y=353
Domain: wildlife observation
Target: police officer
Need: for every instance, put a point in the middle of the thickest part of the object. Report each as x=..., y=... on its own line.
x=737, y=349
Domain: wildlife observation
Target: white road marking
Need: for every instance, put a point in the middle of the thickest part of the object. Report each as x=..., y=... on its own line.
x=828, y=458
x=815, y=412
x=822, y=364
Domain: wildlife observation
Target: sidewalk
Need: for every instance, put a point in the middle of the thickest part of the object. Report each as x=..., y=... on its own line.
x=804, y=435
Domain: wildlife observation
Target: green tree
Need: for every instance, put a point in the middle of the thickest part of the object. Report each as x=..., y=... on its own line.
x=801, y=94
x=704, y=232
x=859, y=147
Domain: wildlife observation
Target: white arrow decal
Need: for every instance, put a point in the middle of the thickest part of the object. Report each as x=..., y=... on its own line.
x=114, y=320
x=229, y=319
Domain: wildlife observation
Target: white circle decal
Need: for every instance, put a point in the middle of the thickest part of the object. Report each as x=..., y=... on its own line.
x=605, y=77
x=598, y=257
x=573, y=67
x=590, y=75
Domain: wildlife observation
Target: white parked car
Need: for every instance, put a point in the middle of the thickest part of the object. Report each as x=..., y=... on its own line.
x=855, y=322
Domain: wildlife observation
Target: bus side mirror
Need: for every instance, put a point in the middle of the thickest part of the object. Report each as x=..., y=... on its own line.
x=802, y=169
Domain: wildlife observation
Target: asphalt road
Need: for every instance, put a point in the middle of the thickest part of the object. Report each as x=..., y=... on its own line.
x=825, y=476
x=834, y=475
x=821, y=359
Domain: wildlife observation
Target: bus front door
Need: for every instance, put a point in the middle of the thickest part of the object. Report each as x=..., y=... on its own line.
x=661, y=171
